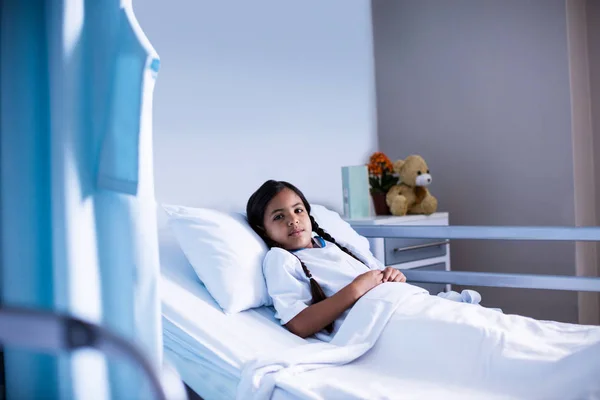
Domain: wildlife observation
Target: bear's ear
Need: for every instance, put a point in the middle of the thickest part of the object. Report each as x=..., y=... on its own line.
x=398, y=165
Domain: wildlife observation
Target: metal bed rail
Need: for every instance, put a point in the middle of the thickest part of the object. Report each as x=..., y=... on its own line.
x=519, y=233
x=21, y=327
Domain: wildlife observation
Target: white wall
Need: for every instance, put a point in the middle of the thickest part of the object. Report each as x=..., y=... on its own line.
x=249, y=91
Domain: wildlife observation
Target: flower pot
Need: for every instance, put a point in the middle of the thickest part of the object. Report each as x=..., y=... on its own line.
x=381, y=207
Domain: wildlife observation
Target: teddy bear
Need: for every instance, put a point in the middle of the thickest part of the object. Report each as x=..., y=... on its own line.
x=411, y=195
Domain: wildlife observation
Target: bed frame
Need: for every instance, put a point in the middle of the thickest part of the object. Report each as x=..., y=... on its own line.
x=523, y=233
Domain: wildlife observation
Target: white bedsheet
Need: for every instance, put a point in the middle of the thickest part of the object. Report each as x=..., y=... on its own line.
x=396, y=343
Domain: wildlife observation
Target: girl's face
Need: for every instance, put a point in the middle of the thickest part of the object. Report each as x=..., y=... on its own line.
x=287, y=222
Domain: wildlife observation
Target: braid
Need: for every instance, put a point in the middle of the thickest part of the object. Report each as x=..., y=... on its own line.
x=315, y=290
x=321, y=232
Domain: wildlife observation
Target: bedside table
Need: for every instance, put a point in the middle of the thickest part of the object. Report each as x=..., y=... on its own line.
x=423, y=254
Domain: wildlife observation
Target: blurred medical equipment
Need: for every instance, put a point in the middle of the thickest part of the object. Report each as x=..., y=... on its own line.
x=54, y=333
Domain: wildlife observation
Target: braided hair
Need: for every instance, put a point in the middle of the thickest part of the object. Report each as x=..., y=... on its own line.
x=321, y=232
x=255, y=212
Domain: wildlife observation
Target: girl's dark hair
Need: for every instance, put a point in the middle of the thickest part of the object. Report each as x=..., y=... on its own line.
x=255, y=212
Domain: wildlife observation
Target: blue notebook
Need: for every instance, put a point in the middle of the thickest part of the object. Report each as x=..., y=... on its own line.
x=355, y=186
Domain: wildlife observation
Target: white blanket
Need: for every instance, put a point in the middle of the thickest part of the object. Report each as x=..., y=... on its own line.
x=398, y=342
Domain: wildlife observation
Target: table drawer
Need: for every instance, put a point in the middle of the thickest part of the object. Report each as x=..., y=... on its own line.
x=432, y=288
x=398, y=250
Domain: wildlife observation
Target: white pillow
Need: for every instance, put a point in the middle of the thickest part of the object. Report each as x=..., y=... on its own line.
x=225, y=253
x=341, y=230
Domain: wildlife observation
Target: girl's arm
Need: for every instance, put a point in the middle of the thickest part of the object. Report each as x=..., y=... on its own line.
x=317, y=316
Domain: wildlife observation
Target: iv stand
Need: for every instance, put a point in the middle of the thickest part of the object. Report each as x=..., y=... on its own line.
x=21, y=327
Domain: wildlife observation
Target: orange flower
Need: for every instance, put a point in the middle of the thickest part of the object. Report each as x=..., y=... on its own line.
x=378, y=163
x=381, y=173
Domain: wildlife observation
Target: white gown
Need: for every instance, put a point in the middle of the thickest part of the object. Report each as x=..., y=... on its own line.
x=289, y=287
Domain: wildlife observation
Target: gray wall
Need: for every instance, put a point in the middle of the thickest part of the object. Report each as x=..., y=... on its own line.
x=249, y=91
x=481, y=89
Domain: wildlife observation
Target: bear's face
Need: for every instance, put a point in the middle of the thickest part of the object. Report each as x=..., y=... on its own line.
x=413, y=171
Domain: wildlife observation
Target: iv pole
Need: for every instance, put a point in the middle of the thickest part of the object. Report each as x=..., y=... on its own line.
x=23, y=328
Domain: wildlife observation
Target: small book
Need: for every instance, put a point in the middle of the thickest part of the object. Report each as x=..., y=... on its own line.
x=355, y=186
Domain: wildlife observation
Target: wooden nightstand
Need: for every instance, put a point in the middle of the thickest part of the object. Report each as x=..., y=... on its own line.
x=424, y=254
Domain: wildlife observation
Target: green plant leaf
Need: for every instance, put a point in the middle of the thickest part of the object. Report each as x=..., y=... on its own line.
x=374, y=182
x=389, y=180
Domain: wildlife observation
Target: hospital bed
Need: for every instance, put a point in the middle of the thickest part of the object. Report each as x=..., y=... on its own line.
x=209, y=348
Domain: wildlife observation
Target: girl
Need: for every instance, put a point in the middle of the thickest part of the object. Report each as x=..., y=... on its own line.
x=313, y=281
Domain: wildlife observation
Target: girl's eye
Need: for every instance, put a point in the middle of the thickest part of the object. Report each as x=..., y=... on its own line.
x=277, y=217
x=299, y=210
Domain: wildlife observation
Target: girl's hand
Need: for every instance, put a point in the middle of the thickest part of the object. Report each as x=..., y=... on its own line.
x=393, y=275
x=367, y=281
